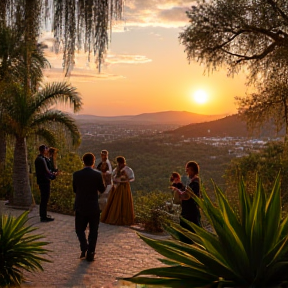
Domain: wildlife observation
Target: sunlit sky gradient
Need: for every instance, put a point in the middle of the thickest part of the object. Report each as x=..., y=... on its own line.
x=146, y=68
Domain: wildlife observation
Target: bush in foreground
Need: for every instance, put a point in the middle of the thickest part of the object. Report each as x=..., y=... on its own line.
x=246, y=250
x=20, y=249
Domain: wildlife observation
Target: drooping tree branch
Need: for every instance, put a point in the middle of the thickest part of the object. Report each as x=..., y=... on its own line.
x=256, y=56
x=232, y=33
x=77, y=24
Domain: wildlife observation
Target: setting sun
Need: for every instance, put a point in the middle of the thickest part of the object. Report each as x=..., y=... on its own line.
x=200, y=96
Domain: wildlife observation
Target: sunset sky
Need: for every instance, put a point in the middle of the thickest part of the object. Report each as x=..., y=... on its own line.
x=146, y=68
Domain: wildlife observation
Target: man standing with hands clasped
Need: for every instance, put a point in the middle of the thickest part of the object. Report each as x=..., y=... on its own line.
x=86, y=184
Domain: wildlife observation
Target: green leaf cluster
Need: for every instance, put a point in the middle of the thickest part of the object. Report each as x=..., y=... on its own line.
x=20, y=249
x=247, y=249
x=153, y=209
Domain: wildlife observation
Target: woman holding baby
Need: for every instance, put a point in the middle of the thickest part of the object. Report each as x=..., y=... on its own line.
x=119, y=209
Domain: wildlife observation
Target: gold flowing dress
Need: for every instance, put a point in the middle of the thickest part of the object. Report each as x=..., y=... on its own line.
x=119, y=209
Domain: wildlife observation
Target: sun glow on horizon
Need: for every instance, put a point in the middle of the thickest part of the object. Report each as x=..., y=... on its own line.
x=200, y=96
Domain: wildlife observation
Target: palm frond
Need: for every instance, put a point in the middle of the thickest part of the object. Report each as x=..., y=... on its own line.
x=46, y=133
x=54, y=93
x=48, y=118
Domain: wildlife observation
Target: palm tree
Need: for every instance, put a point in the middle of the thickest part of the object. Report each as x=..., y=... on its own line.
x=30, y=114
x=76, y=24
x=13, y=68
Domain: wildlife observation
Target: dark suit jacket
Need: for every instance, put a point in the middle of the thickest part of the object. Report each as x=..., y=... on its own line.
x=86, y=184
x=41, y=172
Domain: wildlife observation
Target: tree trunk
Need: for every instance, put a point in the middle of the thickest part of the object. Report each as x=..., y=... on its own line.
x=2, y=150
x=22, y=196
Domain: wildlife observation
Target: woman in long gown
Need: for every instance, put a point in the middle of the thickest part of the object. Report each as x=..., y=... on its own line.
x=119, y=209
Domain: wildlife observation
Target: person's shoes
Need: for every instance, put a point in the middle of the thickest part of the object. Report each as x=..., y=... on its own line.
x=90, y=256
x=83, y=255
x=48, y=218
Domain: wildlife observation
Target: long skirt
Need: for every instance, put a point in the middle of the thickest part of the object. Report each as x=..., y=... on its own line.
x=104, y=197
x=119, y=208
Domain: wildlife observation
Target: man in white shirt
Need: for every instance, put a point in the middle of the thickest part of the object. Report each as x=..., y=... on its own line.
x=104, y=159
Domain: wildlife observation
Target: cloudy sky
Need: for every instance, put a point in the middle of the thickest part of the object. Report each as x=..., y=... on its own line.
x=146, y=69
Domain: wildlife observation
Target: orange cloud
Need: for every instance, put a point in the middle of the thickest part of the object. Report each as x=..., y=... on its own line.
x=84, y=70
x=78, y=75
x=127, y=59
x=166, y=13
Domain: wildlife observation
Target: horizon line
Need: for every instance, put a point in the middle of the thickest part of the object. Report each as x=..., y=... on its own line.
x=143, y=113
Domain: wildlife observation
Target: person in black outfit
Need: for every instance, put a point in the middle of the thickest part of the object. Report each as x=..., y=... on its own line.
x=44, y=176
x=86, y=185
x=190, y=210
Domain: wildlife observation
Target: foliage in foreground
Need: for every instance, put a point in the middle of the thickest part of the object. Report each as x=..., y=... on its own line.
x=247, y=250
x=20, y=249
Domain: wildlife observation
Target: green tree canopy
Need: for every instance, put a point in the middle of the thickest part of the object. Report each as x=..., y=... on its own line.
x=268, y=106
x=245, y=34
x=234, y=33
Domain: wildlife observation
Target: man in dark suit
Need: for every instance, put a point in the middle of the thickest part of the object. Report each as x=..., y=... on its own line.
x=44, y=176
x=86, y=184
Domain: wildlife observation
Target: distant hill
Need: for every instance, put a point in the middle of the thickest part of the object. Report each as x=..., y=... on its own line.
x=165, y=117
x=229, y=126
x=177, y=117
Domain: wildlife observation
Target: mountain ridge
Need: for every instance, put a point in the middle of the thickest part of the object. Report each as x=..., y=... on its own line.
x=162, y=117
x=229, y=126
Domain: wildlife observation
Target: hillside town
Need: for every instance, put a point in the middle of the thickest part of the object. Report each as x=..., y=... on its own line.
x=109, y=132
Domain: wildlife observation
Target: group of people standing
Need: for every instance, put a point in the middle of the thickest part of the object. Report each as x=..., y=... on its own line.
x=106, y=190
x=114, y=185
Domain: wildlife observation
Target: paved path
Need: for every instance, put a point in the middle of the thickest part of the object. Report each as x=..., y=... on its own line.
x=119, y=253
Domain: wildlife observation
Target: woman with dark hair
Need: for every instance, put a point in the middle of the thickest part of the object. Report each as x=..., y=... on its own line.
x=52, y=159
x=119, y=209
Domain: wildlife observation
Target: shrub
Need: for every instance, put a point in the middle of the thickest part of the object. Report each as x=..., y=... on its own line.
x=20, y=249
x=6, y=187
x=249, y=249
x=62, y=195
x=266, y=163
x=153, y=209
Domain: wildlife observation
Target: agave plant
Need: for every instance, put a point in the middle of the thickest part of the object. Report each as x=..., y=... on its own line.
x=248, y=247
x=20, y=249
